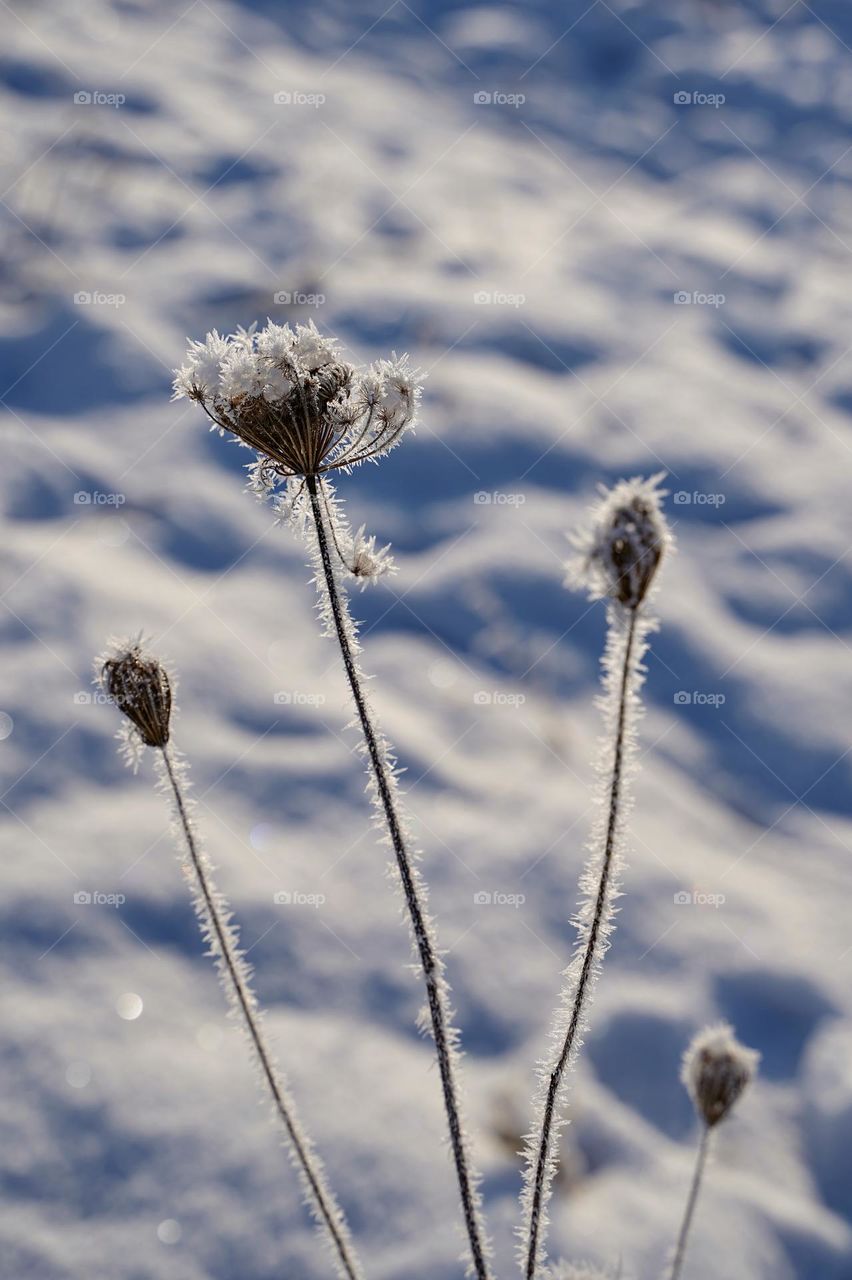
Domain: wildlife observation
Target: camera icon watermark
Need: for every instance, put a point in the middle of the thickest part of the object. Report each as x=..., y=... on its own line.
x=97, y=98
x=296, y=298
x=296, y=698
x=89, y=298
x=497, y=898
x=296, y=98
x=691, y=98
x=496, y=698
x=694, y=298
x=497, y=98
x=95, y=498
x=698, y=898
x=498, y=298
x=697, y=698
x=295, y=898
x=683, y=498
x=85, y=898
x=497, y=498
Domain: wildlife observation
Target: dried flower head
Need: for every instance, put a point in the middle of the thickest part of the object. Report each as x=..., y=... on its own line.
x=619, y=554
x=287, y=393
x=716, y=1070
x=140, y=687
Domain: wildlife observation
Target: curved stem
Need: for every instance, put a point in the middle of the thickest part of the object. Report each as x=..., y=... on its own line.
x=692, y=1200
x=327, y=1213
x=589, y=957
x=428, y=958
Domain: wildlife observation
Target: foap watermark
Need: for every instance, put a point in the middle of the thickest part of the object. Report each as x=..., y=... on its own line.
x=296, y=298
x=297, y=698
x=95, y=898
x=497, y=98
x=497, y=898
x=95, y=498
x=92, y=698
x=697, y=98
x=95, y=298
x=698, y=898
x=297, y=98
x=683, y=498
x=496, y=698
x=98, y=98
x=694, y=298
x=295, y=898
x=697, y=698
x=497, y=498
x=497, y=298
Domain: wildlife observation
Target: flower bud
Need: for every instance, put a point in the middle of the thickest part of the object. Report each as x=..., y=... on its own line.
x=716, y=1070
x=618, y=556
x=140, y=688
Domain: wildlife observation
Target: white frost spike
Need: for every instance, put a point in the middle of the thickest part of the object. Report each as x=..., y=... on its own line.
x=367, y=562
x=619, y=553
x=316, y=508
x=619, y=558
x=716, y=1070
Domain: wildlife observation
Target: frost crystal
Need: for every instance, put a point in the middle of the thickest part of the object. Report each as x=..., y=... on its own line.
x=716, y=1070
x=141, y=689
x=288, y=394
x=618, y=556
x=367, y=562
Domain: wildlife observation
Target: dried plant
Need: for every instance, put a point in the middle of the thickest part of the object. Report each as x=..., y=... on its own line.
x=716, y=1071
x=289, y=395
x=617, y=559
x=141, y=688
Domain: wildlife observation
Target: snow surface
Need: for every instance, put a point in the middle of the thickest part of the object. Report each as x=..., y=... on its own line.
x=133, y=1146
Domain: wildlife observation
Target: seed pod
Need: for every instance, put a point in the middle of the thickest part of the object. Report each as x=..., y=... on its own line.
x=140, y=688
x=716, y=1070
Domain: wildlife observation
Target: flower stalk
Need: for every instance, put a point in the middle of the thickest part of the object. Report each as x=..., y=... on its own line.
x=618, y=559
x=142, y=690
x=431, y=963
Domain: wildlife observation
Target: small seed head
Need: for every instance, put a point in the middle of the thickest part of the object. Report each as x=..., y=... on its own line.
x=716, y=1070
x=619, y=554
x=140, y=688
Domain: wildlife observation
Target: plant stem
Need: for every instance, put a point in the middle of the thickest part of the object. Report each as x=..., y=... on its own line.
x=692, y=1200
x=431, y=965
x=590, y=951
x=325, y=1209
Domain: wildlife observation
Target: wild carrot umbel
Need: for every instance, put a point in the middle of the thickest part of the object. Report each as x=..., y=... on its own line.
x=617, y=559
x=141, y=688
x=716, y=1070
x=289, y=395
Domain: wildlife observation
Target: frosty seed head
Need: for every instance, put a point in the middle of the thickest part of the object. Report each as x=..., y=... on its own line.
x=619, y=554
x=140, y=688
x=716, y=1070
x=287, y=393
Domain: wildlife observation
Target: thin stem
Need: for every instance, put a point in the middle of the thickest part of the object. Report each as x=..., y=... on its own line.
x=589, y=956
x=326, y=1212
x=692, y=1200
x=428, y=959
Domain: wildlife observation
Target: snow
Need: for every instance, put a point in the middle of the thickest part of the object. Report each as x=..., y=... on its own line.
x=383, y=198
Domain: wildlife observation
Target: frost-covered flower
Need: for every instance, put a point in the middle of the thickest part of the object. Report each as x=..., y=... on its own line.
x=288, y=394
x=140, y=687
x=367, y=561
x=619, y=553
x=716, y=1070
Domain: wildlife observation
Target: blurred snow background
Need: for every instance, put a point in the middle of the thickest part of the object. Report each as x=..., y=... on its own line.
x=618, y=237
